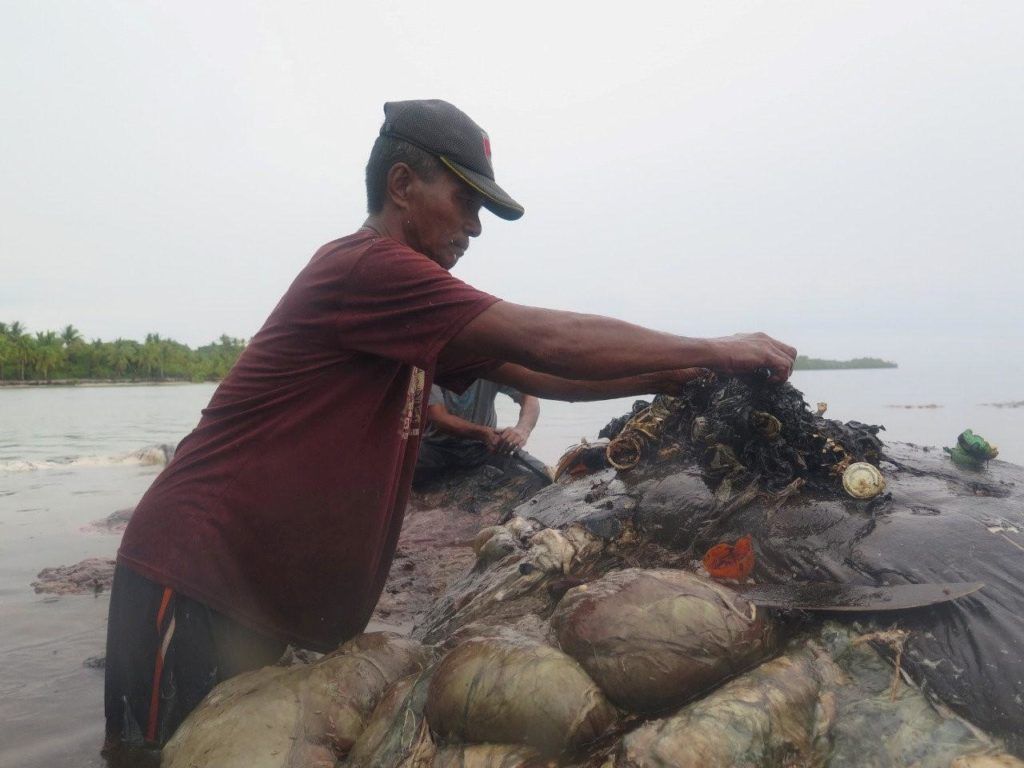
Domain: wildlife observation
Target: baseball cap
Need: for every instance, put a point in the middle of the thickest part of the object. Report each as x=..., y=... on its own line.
x=449, y=134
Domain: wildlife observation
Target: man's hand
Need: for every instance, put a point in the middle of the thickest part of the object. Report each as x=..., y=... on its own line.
x=512, y=438
x=492, y=439
x=746, y=352
x=671, y=382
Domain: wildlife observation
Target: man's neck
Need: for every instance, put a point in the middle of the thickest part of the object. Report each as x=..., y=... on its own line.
x=385, y=225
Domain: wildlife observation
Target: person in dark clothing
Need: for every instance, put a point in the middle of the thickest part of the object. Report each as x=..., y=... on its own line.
x=462, y=431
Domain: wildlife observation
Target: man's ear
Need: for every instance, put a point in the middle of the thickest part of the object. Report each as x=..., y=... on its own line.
x=400, y=178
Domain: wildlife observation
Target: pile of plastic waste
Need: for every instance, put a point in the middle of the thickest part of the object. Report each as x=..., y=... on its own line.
x=744, y=433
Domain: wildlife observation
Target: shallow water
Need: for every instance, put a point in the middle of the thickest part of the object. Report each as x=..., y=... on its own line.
x=73, y=455
x=51, y=708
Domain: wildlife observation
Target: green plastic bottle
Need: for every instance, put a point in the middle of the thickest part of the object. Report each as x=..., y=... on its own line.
x=971, y=451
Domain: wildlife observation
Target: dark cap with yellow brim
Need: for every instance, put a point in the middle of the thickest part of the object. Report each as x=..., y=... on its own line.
x=449, y=134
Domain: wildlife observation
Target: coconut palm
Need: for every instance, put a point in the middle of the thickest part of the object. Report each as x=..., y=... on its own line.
x=49, y=353
x=152, y=354
x=70, y=335
x=6, y=350
x=92, y=358
x=123, y=355
x=22, y=342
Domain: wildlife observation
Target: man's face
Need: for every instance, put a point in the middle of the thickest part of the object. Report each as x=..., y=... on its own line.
x=443, y=214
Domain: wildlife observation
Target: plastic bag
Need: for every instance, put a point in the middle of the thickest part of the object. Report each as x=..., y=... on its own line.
x=513, y=690
x=777, y=716
x=307, y=716
x=653, y=639
x=731, y=561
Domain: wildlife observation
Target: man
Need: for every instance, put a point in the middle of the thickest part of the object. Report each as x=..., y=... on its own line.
x=277, y=519
x=462, y=430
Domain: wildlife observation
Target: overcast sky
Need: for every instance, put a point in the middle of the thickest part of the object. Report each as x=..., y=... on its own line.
x=846, y=176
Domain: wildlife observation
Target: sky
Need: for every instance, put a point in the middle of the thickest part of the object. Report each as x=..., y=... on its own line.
x=847, y=176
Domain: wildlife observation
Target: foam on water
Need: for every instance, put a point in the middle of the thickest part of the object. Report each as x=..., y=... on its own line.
x=151, y=455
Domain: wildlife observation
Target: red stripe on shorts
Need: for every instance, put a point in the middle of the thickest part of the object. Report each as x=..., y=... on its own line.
x=163, y=634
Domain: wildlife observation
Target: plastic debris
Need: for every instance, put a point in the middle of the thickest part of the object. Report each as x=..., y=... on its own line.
x=653, y=639
x=641, y=432
x=971, y=451
x=863, y=481
x=308, y=716
x=511, y=689
x=778, y=715
x=746, y=435
x=731, y=561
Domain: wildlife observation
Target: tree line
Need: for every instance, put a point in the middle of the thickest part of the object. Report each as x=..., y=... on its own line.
x=67, y=356
x=804, y=363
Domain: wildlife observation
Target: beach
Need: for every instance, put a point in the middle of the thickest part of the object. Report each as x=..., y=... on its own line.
x=70, y=456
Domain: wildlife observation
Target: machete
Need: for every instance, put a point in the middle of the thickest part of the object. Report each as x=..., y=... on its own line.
x=523, y=461
x=826, y=596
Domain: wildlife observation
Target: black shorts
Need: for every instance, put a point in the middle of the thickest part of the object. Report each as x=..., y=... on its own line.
x=436, y=461
x=165, y=652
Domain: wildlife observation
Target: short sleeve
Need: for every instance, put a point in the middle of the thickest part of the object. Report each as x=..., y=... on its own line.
x=436, y=396
x=398, y=304
x=458, y=374
x=512, y=392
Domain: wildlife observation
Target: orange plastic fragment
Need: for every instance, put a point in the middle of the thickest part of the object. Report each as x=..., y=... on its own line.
x=731, y=561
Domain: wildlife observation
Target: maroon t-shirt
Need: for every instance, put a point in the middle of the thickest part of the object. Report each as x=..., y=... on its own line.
x=283, y=507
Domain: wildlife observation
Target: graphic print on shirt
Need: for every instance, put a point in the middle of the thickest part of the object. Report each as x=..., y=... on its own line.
x=412, y=414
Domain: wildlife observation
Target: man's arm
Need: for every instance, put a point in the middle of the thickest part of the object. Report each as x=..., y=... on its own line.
x=529, y=411
x=459, y=427
x=588, y=347
x=573, y=390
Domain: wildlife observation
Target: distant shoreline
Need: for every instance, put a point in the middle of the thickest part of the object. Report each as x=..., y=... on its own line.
x=31, y=384
x=804, y=363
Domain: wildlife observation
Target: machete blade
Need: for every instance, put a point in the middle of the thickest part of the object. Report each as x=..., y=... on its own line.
x=825, y=596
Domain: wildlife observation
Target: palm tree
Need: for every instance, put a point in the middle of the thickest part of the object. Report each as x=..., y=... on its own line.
x=165, y=350
x=75, y=350
x=22, y=344
x=49, y=353
x=124, y=355
x=151, y=354
x=95, y=358
x=176, y=358
x=70, y=335
x=26, y=354
x=6, y=349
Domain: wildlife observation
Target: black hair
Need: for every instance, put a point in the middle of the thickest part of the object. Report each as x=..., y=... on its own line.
x=385, y=153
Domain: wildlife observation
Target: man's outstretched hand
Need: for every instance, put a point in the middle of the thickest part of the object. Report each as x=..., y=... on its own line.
x=673, y=382
x=746, y=352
